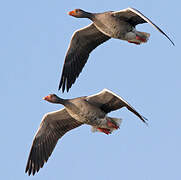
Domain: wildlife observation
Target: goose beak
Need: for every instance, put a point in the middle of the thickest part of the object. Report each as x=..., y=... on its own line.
x=71, y=13
x=45, y=98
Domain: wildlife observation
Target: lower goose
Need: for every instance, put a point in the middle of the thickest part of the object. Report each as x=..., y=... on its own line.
x=91, y=110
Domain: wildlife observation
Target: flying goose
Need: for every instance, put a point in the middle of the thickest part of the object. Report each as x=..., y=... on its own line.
x=91, y=110
x=113, y=24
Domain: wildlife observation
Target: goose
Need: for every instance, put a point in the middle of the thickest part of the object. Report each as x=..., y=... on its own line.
x=90, y=110
x=113, y=24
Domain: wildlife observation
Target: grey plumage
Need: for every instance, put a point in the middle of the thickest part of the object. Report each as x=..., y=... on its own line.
x=91, y=110
x=111, y=24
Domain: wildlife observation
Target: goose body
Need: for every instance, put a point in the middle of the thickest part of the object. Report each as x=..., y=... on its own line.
x=91, y=110
x=112, y=24
x=84, y=112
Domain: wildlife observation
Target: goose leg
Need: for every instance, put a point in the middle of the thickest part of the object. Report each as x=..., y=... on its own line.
x=137, y=43
x=140, y=38
x=104, y=130
x=112, y=124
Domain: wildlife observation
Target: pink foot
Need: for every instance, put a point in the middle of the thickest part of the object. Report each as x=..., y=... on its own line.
x=137, y=43
x=112, y=125
x=104, y=130
x=140, y=39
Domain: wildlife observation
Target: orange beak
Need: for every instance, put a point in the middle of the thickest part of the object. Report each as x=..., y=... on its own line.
x=72, y=13
x=46, y=98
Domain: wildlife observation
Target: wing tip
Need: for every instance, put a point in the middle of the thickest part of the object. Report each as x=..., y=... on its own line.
x=60, y=85
x=28, y=170
x=168, y=38
x=31, y=170
x=62, y=89
x=173, y=43
x=144, y=119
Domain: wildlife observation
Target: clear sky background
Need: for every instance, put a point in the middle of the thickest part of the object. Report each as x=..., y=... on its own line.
x=34, y=37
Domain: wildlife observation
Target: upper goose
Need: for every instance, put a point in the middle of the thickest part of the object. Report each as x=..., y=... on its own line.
x=89, y=110
x=118, y=24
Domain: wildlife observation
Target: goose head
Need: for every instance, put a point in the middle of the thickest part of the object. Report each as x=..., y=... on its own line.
x=53, y=98
x=79, y=13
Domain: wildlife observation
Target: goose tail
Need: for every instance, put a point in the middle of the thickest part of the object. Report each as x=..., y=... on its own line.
x=141, y=37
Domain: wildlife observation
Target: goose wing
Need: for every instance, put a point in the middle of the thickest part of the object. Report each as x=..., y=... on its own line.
x=108, y=101
x=53, y=126
x=134, y=17
x=82, y=43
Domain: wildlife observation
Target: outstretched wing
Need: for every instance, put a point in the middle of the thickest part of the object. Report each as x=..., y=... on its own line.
x=134, y=17
x=108, y=101
x=53, y=126
x=83, y=42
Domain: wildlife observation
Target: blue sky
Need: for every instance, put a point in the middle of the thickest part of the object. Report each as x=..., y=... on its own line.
x=34, y=39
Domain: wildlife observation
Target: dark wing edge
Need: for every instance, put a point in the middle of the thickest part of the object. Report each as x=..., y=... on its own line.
x=82, y=43
x=139, y=19
x=150, y=22
x=50, y=131
x=109, y=101
x=130, y=108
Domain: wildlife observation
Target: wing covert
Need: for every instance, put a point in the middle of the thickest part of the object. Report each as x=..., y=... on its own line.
x=109, y=101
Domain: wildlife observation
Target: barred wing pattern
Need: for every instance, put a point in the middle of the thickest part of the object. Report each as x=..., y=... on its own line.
x=83, y=42
x=53, y=126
